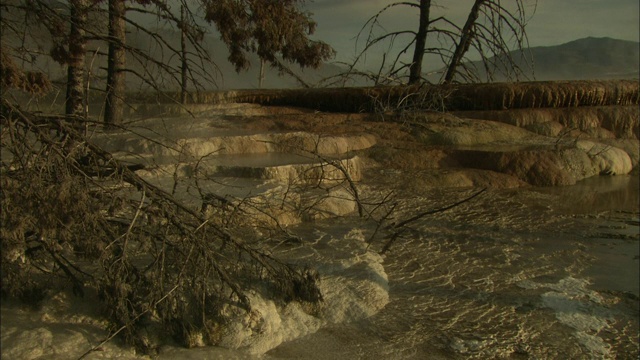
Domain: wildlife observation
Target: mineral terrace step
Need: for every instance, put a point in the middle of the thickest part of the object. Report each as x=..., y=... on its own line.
x=232, y=143
x=547, y=165
x=281, y=167
x=260, y=202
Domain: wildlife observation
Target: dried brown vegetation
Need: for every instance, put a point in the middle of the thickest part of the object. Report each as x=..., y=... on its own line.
x=12, y=76
x=551, y=94
x=491, y=96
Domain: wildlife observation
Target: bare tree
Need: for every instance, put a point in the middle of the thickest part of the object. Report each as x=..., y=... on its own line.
x=489, y=30
x=488, y=26
x=440, y=29
x=415, y=70
x=184, y=65
x=157, y=48
x=77, y=45
x=277, y=32
x=61, y=208
x=273, y=30
x=116, y=63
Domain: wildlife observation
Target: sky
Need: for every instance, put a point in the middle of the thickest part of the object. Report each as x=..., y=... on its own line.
x=552, y=22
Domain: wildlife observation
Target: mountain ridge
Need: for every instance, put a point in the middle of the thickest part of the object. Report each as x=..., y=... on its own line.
x=589, y=58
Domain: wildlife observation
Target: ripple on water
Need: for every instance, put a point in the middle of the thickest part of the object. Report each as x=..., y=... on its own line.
x=506, y=275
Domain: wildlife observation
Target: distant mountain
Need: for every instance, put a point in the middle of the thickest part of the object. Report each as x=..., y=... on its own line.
x=587, y=58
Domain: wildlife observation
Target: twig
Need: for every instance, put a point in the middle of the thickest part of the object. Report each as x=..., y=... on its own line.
x=430, y=212
x=148, y=309
x=127, y=324
x=402, y=224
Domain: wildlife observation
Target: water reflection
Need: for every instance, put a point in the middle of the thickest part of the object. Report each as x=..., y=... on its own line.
x=597, y=194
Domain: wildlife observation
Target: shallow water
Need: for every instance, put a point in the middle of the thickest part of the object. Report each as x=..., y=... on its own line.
x=538, y=273
x=547, y=273
x=535, y=273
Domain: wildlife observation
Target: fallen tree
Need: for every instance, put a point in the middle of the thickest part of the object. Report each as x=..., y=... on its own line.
x=71, y=211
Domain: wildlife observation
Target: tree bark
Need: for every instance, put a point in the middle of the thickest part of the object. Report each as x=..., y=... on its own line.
x=183, y=56
x=465, y=41
x=261, y=75
x=415, y=71
x=75, y=69
x=116, y=62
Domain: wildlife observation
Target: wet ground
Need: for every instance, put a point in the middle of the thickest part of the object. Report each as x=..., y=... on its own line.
x=526, y=273
x=529, y=273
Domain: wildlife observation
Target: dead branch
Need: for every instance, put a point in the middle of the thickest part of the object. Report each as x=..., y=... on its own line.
x=222, y=273
x=401, y=227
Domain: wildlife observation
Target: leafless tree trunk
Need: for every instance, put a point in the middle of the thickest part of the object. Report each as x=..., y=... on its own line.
x=75, y=69
x=415, y=70
x=116, y=63
x=261, y=76
x=465, y=41
x=493, y=29
x=183, y=50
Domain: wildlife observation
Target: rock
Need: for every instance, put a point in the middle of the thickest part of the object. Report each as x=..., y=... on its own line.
x=457, y=178
x=540, y=167
x=606, y=159
x=28, y=344
x=468, y=132
x=336, y=202
x=527, y=155
x=620, y=121
x=547, y=128
x=551, y=166
x=630, y=146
